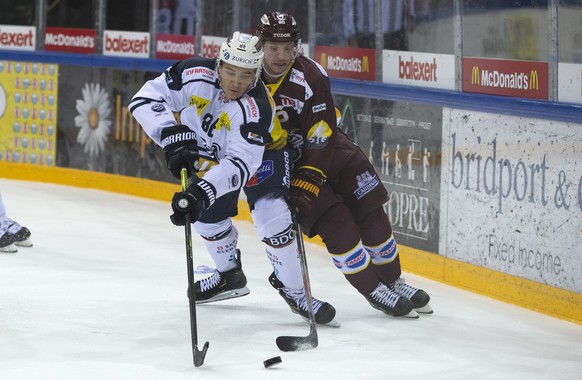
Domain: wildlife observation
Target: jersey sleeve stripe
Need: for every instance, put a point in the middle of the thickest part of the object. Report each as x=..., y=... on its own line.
x=133, y=104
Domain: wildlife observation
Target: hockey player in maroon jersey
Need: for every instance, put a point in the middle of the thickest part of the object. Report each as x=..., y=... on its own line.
x=335, y=190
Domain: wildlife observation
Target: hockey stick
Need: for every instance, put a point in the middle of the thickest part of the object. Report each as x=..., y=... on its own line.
x=197, y=355
x=301, y=343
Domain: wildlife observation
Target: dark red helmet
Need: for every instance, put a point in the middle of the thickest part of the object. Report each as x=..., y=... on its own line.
x=278, y=27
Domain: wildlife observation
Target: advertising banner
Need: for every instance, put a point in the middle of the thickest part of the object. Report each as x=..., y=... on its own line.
x=352, y=63
x=70, y=40
x=175, y=46
x=524, y=79
x=28, y=112
x=126, y=44
x=211, y=46
x=418, y=69
x=403, y=141
x=14, y=37
x=512, y=188
x=570, y=82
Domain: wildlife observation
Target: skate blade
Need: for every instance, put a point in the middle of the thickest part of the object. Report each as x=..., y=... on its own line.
x=333, y=323
x=226, y=295
x=426, y=309
x=413, y=314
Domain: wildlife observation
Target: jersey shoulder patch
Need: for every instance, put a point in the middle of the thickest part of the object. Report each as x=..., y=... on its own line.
x=257, y=107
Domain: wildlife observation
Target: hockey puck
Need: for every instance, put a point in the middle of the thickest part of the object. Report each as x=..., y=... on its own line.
x=273, y=361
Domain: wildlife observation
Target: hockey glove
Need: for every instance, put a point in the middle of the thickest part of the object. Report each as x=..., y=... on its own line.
x=192, y=202
x=181, y=149
x=305, y=187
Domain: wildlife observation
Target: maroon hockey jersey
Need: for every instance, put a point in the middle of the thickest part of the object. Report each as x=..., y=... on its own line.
x=306, y=110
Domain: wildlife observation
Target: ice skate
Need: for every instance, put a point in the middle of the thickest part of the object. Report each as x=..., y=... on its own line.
x=222, y=285
x=418, y=297
x=387, y=300
x=7, y=242
x=7, y=239
x=21, y=235
x=297, y=301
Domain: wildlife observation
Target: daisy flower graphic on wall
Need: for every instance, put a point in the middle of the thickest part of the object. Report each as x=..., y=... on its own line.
x=93, y=118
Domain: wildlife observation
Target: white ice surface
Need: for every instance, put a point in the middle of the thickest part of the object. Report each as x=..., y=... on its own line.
x=102, y=295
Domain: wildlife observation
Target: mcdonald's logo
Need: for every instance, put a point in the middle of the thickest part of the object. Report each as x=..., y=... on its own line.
x=475, y=77
x=534, y=81
x=365, y=64
x=323, y=60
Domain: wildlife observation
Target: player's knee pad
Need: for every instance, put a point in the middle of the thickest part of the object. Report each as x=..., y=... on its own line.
x=353, y=261
x=384, y=253
x=272, y=220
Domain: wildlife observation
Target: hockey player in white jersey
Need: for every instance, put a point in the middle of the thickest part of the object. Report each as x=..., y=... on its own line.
x=228, y=139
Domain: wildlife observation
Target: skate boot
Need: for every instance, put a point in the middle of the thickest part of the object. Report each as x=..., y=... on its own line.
x=222, y=285
x=385, y=299
x=418, y=297
x=21, y=235
x=297, y=301
x=7, y=241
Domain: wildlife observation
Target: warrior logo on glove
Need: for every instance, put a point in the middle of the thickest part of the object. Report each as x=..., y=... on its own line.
x=181, y=149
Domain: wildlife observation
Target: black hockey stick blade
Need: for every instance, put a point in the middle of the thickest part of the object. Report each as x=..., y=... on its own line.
x=200, y=355
x=298, y=343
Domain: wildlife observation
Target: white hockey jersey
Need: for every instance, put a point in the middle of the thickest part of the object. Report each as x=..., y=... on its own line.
x=231, y=135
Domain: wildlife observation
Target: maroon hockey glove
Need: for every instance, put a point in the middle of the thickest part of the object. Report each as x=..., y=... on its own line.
x=192, y=202
x=181, y=149
x=305, y=187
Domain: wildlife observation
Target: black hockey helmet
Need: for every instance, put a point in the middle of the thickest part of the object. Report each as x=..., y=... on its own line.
x=278, y=27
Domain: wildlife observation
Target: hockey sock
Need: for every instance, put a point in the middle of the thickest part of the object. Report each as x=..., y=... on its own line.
x=220, y=240
x=386, y=261
x=355, y=265
x=384, y=253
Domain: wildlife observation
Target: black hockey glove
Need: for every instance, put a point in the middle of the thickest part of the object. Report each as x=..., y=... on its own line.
x=192, y=202
x=181, y=149
x=305, y=186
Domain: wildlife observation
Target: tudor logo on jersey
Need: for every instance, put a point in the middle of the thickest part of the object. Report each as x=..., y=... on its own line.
x=266, y=170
